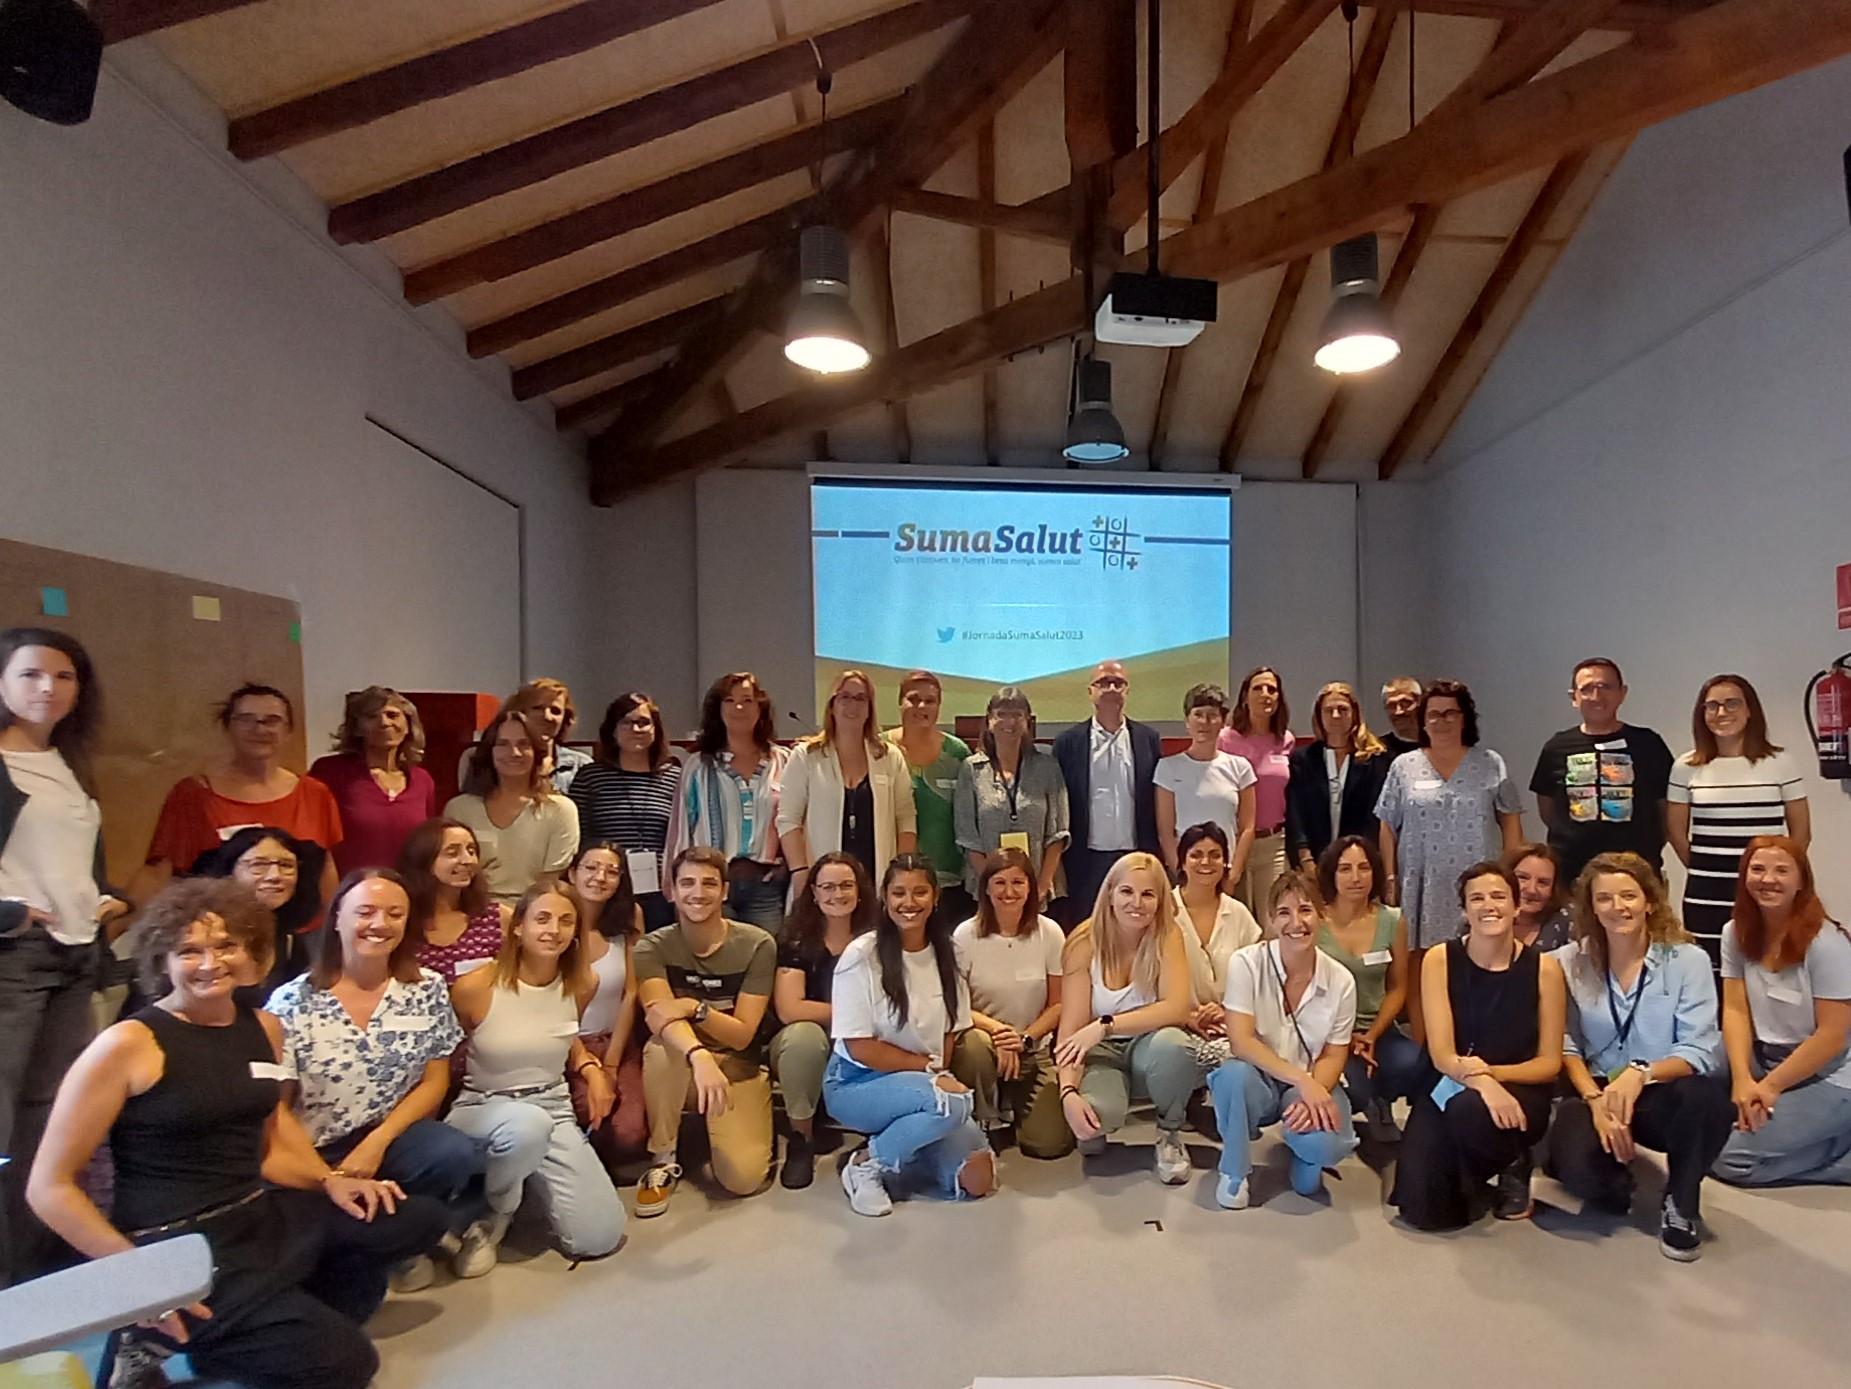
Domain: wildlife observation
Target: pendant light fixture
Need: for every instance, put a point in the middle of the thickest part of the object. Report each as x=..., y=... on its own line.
x=823, y=334
x=1357, y=335
x=1095, y=438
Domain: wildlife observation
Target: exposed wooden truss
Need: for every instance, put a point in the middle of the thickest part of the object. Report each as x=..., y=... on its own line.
x=617, y=350
x=1037, y=223
x=1697, y=58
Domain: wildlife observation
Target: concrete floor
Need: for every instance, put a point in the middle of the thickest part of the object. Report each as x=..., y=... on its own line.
x=1102, y=1270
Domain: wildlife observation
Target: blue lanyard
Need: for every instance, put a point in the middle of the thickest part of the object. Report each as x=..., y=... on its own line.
x=1624, y=1030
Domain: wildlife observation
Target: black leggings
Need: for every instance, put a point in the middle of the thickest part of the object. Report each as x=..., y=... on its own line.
x=1447, y=1155
x=1688, y=1120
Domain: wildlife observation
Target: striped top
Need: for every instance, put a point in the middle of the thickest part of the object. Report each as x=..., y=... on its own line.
x=629, y=809
x=736, y=815
x=1731, y=801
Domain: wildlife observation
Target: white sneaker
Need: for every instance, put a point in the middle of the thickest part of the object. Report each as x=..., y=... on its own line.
x=414, y=1275
x=481, y=1246
x=867, y=1193
x=1172, y=1159
x=1229, y=1195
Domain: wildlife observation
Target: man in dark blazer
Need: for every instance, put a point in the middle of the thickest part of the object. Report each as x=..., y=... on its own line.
x=1108, y=763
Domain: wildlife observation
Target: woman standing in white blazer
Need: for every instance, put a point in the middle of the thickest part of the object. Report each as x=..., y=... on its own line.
x=846, y=788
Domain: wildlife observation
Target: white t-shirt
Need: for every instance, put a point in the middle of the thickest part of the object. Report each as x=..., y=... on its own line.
x=1325, y=1015
x=1206, y=792
x=1008, y=975
x=50, y=859
x=1234, y=929
x=1782, y=1004
x=859, y=1006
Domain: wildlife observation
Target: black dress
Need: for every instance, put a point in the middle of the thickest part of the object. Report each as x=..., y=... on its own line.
x=1448, y=1155
x=293, y=1275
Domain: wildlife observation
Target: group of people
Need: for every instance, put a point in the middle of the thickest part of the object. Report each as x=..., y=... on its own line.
x=362, y=1030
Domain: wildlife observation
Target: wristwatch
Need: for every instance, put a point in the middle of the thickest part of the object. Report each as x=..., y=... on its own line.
x=700, y=1013
x=1644, y=1068
x=1105, y=1021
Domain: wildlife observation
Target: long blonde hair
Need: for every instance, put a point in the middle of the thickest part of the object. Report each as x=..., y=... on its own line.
x=1100, y=930
x=1363, y=743
x=823, y=740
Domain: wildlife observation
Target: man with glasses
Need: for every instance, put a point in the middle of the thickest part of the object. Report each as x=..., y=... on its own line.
x=1601, y=785
x=1401, y=702
x=1109, y=764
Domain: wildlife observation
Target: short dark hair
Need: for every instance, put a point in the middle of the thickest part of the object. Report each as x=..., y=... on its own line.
x=1559, y=894
x=75, y=735
x=1333, y=855
x=325, y=972
x=221, y=861
x=1205, y=695
x=620, y=709
x=698, y=853
x=252, y=690
x=167, y=918
x=1618, y=677
x=1208, y=830
x=1457, y=691
x=1487, y=868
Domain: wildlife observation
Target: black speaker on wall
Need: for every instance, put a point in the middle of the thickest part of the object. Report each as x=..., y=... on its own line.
x=50, y=54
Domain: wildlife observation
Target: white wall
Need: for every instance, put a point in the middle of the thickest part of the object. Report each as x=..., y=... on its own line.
x=728, y=558
x=1659, y=466
x=186, y=371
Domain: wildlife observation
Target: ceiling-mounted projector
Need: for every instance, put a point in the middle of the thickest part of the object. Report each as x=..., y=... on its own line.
x=1153, y=310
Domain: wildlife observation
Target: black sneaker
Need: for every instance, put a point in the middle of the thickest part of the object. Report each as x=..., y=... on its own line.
x=1512, y=1201
x=799, y=1163
x=132, y=1362
x=1677, y=1234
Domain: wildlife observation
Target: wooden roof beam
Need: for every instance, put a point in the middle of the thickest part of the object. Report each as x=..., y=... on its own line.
x=625, y=212
x=446, y=71
x=1634, y=15
x=617, y=350
x=630, y=124
x=611, y=401
x=130, y=19
x=1733, y=47
x=1038, y=224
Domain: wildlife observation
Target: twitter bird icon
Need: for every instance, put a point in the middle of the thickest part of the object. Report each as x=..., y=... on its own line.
x=945, y=634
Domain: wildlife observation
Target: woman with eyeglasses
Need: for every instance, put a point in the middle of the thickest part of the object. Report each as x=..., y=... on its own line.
x=1733, y=785
x=1446, y=805
x=375, y=777
x=283, y=874
x=249, y=787
x=846, y=788
x=626, y=797
x=1011, y=795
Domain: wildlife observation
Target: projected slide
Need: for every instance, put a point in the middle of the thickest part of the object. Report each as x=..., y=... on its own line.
x=1028, y=584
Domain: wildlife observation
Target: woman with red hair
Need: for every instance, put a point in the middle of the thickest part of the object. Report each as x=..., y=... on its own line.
x=1786, y=1017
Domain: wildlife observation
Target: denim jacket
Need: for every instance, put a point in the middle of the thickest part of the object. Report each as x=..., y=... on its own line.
x=12, y=800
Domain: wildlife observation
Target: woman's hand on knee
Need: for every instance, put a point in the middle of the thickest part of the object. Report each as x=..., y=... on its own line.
x=1081, y=1117
x=950, y=1084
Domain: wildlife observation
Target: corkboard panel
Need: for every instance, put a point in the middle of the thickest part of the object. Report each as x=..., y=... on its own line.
x=161, y=669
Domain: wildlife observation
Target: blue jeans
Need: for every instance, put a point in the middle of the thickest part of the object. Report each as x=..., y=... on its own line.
x=918, y=1134
x=1247, y=1100
x=1399, y=1063
x=1806, y=1143
x=430, y=1158
x=758, y=903
x=537, y=1137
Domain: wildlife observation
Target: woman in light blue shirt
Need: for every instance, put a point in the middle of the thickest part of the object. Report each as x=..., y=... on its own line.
x=1643, y=1050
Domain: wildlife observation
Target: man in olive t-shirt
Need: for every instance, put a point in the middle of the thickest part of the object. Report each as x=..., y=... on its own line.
x=704, y=985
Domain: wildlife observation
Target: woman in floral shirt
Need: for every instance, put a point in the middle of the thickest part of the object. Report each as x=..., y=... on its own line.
x=367, y=1037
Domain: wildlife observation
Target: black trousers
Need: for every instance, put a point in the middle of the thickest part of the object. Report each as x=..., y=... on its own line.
x=1688, y=1120
x=1447, y=1155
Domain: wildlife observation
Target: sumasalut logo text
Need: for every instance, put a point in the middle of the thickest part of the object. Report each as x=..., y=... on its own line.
x=1004, y=540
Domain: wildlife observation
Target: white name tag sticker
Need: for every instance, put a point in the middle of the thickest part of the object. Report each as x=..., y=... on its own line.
x=269, y=1070
x=644, y=875
x=1433, y=785
x=1379, y=957
x=1780, y=993
x=411, y=1025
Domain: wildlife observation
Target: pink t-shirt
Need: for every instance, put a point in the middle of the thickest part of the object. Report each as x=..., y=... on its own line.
x=374, y=824
x=1270, y=758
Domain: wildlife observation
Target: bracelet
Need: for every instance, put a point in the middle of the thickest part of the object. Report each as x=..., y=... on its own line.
x=580, y=1068
x=698, y=1046
x=332, y=1173
x=1067, y=1090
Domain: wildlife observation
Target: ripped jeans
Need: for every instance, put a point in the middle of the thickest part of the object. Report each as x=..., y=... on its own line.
x=918, y=1135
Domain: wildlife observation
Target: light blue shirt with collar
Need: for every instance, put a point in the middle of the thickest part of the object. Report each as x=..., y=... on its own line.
x=1676, y=1015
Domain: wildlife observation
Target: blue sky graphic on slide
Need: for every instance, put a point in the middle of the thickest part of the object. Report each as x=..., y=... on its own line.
x=1014, y=581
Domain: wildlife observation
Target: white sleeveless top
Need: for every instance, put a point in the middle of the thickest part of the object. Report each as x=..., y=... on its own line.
x=1116, y=1001
x=601, y=1012
x=523, y=1042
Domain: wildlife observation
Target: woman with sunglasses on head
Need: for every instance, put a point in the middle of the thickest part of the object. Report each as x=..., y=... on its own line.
x=1444, y=806
x=1011, y=958
x=626, y=796
x=900, y=1001
x=609, y=928
x=249, y=787
x=376, y=778
x=836, y=905
x=845, y=788
x=1734, y=784
x=1786, y=1025
x=1495, y=1026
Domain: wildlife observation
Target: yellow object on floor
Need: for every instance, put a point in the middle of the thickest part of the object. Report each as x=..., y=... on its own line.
x=55, y=1369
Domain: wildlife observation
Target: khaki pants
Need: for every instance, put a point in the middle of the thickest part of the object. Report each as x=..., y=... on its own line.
x=1265, y=862
x=1041, y=1128
x=741, y=1137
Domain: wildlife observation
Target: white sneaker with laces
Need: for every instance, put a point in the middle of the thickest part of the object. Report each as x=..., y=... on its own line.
x=414, y=1275
x=1172, y=1159
x=481, y=1246
x=1229, y=1195
x=867, y=1193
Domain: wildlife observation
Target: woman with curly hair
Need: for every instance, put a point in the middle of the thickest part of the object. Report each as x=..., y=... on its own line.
x=375, y=777
x=1642, y=1052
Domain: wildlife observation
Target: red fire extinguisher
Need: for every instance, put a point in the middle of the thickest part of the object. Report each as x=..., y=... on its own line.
x=1831, y=733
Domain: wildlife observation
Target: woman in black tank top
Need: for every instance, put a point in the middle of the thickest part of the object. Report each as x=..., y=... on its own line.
x=1495, y=1043
x=188, y=1093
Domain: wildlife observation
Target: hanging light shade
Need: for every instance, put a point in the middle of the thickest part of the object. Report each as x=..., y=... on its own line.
x=1357, y=335
x=1094, y=435
x=823, y=334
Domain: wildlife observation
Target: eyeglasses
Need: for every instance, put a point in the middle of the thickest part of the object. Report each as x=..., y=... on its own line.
x=1111, y=682
x=641, y=723
x=852, y=697
x=1444, y=715
x=1007, y=715
x=269, y=723
x=1596, y=687
x=1724, y=706
x=261, y=866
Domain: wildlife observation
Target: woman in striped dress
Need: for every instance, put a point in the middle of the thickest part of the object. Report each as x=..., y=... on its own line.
x=627, y=796
x=1733, y=785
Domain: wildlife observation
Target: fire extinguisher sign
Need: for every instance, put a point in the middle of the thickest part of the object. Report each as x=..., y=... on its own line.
x=1844, y=597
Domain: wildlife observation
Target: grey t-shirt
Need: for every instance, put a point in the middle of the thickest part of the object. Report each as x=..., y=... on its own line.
x=1781, y=1003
